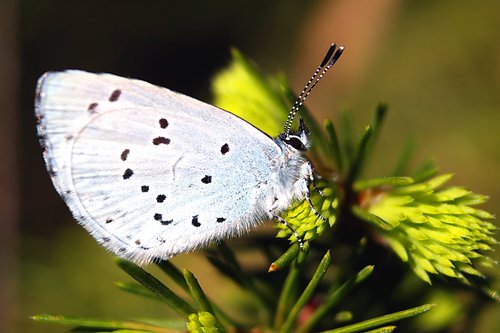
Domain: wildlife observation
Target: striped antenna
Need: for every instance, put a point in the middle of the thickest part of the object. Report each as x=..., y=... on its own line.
x=332, y=55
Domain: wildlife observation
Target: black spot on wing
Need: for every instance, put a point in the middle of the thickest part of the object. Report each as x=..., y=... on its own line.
x=224, y=149
x=128, y=173
x=144, y=188
x=220, y=219
x=159, y=217
x=195, y=222
x=163, y=123
x=109, y=220
x=160, y=198
x=92, y=107
x=161, y=140
x=115, y=95
x=207, y=179
x=124, y=154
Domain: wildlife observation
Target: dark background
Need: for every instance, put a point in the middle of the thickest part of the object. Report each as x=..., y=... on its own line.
x=437, y=64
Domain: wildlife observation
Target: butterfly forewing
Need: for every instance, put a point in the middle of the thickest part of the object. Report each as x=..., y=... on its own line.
x=149, y=172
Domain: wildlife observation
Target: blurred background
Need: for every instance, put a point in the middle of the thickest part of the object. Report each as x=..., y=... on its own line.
x=436, y=63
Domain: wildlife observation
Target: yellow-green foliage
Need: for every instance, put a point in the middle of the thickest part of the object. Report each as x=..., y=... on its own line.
x=434, y=228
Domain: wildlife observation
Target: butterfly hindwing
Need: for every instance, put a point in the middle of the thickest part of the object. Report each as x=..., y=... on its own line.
x=149, y=172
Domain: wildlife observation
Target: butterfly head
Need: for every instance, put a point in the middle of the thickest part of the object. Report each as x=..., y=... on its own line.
x=298, y=141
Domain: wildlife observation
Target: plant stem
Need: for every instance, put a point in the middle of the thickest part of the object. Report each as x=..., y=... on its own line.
x=307, y=293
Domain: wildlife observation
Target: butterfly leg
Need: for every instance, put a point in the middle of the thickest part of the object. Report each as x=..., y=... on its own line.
x=315, y=186
x=310, y=180
x=315, y=212
x=283, y=221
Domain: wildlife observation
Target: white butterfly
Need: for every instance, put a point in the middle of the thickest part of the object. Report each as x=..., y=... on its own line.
x=151, y=173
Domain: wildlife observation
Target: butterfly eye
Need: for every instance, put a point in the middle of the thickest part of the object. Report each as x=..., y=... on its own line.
x=296, y=143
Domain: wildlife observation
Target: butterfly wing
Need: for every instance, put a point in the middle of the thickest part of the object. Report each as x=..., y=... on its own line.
x=147, y=171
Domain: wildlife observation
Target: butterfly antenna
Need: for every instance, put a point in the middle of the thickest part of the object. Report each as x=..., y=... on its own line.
x=331, y=57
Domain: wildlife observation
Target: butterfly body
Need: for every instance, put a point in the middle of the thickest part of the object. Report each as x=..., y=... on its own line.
x=151, y=173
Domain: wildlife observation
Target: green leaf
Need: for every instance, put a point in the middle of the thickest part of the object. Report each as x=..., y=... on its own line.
x=404, y=160
x=197, y=292
x=421, y=273
x=244, y=91
x=288, y=293
x=100, y=324
x=380, y=114
x=158, y=288
x=382, y=320
x=361, y=185
x=398, y=248
x=359, y=155
x=333, y=298
x=372, y=218
x=334, y=144
x=174, y=273
x=136, y=289
x=451, y=193
x=437, y=181
x=472, y=199
x=346, y=131
x=231, y=268
x=427, y=170
x=285, y=259
x=178, y=277
x=385, y=329
x=307, y=293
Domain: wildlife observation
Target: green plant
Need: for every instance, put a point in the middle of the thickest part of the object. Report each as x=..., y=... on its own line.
x=435, y=230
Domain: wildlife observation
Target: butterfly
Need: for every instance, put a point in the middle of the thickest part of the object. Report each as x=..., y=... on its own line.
x=151, y=173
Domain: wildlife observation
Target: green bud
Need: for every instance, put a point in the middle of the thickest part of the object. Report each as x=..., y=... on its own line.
x=203, y=322
x=302, y=219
